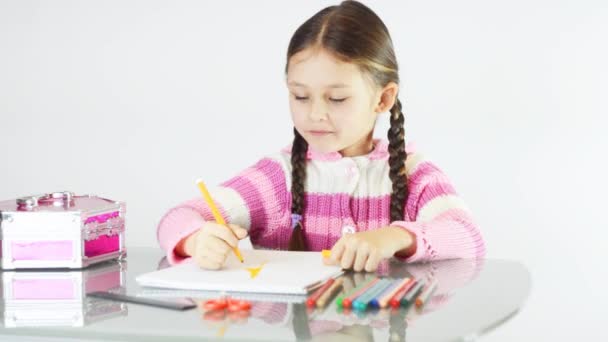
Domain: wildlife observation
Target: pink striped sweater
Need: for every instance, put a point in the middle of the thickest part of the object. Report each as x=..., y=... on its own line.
x=343, y=194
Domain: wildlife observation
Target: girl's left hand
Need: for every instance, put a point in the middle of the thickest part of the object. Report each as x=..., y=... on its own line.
x=365, y=250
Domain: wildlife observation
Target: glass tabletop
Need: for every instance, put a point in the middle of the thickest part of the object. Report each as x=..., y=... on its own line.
x=471, y=298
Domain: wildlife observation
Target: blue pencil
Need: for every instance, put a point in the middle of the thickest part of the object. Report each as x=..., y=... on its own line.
x=362, y=302
x=375, y=303
x=357, y=301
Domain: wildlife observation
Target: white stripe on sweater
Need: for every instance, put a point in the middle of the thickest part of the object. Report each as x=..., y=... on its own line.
x=233, y=205
x=332, y=177
x=438, y=205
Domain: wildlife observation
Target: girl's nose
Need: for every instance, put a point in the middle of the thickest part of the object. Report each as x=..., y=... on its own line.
x=318, y=112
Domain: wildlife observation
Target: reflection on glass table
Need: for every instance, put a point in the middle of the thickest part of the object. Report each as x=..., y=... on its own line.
x=35, y=298
x=472, y=297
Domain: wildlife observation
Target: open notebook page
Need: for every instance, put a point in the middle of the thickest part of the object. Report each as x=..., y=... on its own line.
x=278, y=272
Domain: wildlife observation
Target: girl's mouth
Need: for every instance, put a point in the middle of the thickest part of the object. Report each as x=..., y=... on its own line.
x=320, y=133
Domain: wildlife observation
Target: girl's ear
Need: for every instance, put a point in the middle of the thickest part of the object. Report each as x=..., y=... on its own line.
x=387, y=98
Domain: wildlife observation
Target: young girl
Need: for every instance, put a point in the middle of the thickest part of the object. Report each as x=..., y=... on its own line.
x=335, y=187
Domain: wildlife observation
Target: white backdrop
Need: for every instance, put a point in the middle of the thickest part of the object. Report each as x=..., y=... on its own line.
x=134, y=100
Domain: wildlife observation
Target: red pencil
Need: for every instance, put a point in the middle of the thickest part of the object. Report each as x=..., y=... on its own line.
x=347, y=302
x=385, y=301
x=396, y=300
x=312, y=300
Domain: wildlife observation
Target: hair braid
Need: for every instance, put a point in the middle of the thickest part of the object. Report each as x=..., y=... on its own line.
x=297, y=242
x=396, y=161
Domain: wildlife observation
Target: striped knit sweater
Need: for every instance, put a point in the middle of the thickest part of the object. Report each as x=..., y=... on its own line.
x=342, y=194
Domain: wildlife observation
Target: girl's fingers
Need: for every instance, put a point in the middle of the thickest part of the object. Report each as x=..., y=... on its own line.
x=214, y=257
x=216, y=245
x=223, y=233
x=372, y=261
x=208, y=264
x=337, y=251
x=328, y=261
x=211, y=253
x=349, y=255
x=361, y=257
x=240, y=232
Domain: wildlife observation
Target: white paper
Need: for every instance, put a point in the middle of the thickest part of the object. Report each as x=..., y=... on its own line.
x=283, y=273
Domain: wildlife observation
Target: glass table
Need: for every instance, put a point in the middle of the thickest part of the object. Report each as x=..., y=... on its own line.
x=472, y=297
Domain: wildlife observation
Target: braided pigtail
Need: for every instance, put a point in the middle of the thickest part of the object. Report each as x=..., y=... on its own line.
x=396, y=161
x=297, y=242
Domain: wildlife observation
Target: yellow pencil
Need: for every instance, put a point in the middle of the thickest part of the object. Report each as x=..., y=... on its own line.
x=216, y=213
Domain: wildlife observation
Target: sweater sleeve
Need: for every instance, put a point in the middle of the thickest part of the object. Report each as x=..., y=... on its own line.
x=252, y=199
x=438, y=217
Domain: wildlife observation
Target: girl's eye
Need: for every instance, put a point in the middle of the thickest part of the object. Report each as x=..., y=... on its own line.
x=304, y=98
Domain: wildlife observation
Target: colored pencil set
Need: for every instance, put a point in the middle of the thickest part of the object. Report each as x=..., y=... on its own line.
x=375, y=293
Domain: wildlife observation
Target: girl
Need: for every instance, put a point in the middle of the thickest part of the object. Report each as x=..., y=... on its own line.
x=336, y=186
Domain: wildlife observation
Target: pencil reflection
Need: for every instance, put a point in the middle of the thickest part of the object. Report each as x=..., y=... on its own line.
x=331, y=323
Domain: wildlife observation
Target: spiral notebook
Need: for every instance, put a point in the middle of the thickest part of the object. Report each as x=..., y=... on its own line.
x=278, y=273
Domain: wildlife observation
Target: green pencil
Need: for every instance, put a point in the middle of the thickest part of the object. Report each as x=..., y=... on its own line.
x=352, y=291
x=411, y=294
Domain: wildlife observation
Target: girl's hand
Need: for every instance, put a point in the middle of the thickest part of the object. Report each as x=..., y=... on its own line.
x=364, y=250
x=210, y=245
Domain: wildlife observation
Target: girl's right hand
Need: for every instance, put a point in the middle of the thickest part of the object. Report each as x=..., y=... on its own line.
x=211, y=244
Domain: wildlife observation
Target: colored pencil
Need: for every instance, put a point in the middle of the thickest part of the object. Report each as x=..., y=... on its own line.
x=340, y=299
x=216, y=213
x=363, y=301
x=347, y=302
x=426, y=294
x=331, y=291
x=395, y=301
x=388, y=293
x=312, y=300
x=411, y=294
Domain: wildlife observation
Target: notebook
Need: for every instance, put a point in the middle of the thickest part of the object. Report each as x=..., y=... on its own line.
x=278, y=272
x=173, y=294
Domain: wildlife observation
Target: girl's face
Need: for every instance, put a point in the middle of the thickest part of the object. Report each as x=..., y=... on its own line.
x=333, y=104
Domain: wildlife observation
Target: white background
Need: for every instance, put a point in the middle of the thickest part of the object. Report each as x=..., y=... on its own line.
x=134, y=100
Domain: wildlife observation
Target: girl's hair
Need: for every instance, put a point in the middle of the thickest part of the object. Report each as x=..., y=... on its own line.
x=352, y=33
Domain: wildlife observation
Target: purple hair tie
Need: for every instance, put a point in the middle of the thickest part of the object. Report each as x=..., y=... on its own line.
x=295, y=219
